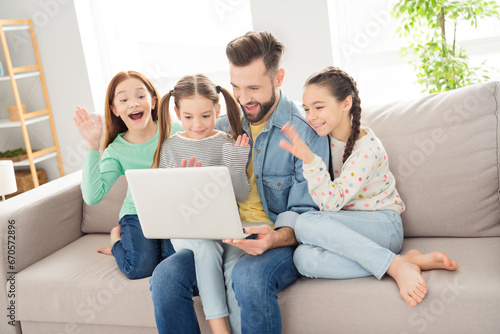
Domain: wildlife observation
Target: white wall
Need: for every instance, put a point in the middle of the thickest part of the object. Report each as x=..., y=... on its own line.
x=63, y=63
x=303, y=28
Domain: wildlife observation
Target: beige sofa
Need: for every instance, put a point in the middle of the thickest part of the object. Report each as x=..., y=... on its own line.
x=444, y=152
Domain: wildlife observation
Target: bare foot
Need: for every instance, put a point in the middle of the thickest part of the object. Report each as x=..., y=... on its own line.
x=408, y=277
x=114, y=236
x=104, y=250
x=429, y=261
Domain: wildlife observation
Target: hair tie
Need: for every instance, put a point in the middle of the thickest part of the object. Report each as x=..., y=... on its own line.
x=171, y=92
x=217, y=88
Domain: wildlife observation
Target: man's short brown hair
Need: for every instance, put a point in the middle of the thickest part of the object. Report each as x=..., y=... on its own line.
x=243, y=50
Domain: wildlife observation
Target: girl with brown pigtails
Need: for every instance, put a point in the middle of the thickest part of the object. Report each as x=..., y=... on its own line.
x=196, y=104
x=358, y=231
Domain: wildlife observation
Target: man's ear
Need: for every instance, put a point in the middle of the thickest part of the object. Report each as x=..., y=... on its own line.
x=279, y=78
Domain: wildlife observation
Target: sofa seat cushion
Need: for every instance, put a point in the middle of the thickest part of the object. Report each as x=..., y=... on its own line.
x=77, y=285
x=465, y=301
x=84, y=287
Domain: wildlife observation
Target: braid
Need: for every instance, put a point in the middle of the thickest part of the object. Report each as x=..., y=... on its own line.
x=356, y=127
x=341, y=85
x=355, y=120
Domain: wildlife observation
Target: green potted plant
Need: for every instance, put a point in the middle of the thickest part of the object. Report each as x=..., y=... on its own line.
x=14, y=155
x=441, y=64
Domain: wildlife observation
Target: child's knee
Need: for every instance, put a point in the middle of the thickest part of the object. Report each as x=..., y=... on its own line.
x=304, y=261
x=301, y=224
x=304, y=225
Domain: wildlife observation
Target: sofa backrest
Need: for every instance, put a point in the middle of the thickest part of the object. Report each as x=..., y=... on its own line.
x=102, y=217
x=444, y=152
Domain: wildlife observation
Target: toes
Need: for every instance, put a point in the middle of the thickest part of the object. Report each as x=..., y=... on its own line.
x=418, y=294
x=412, y=298
x=104, y=250
x=410, y=301
x=440, y=257
x=415, y=292
x=422, y=285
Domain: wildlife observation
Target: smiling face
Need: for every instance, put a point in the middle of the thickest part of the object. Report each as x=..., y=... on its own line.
x=256, y=92
x=132, y=102
x=325, y=114
x=198, y=115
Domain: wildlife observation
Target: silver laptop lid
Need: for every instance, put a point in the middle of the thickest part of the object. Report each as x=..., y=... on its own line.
x=185, y=203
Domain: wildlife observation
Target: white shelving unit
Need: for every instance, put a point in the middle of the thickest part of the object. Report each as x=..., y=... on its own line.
x=25, y=119
x=26, y=163
x=5, y=123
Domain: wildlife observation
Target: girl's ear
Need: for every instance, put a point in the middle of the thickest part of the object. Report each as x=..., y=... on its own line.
x=153, y=102
x=347, y=104
x=113, y=110
x=217, y=111
x=177, y=112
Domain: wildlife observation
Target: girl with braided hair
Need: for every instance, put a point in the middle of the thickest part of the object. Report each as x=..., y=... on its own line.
x=358, y=231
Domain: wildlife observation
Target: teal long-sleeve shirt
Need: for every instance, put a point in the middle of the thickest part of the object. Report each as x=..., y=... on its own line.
x=119, y=156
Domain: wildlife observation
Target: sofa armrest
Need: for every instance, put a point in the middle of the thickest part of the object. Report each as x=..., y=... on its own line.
x=33, y=225
x=40, y=221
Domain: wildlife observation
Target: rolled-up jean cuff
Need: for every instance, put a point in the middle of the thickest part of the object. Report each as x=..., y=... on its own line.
x=114, y=246
x=217, y=316
x=286, y=219
x=386, y=266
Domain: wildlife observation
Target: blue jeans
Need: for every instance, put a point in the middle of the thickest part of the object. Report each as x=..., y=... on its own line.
x=135, y=255
x=256, y=282
x=347, y=244
x=214, y=261
x=173, y=286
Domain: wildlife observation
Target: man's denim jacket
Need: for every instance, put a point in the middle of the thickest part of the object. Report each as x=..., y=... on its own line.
x=278, y=174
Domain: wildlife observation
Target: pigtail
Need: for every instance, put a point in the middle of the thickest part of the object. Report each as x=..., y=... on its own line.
x=233, y=113
x=165, y=124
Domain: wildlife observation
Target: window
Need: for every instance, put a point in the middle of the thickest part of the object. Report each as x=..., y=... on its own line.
x=366, y=45
x=164, y=40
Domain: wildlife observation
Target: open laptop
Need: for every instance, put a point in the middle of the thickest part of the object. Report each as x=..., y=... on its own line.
x=186, y=203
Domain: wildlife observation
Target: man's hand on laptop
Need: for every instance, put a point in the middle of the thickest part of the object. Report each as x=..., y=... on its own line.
x=257, y=246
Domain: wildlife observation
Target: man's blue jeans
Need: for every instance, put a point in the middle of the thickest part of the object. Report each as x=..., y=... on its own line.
x=173, y=286
x=256, y=282
x=135, y=255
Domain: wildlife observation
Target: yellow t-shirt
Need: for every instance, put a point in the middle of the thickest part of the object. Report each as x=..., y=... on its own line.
x=251, y=210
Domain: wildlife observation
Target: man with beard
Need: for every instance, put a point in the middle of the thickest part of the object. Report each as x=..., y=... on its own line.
x=278, y=194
